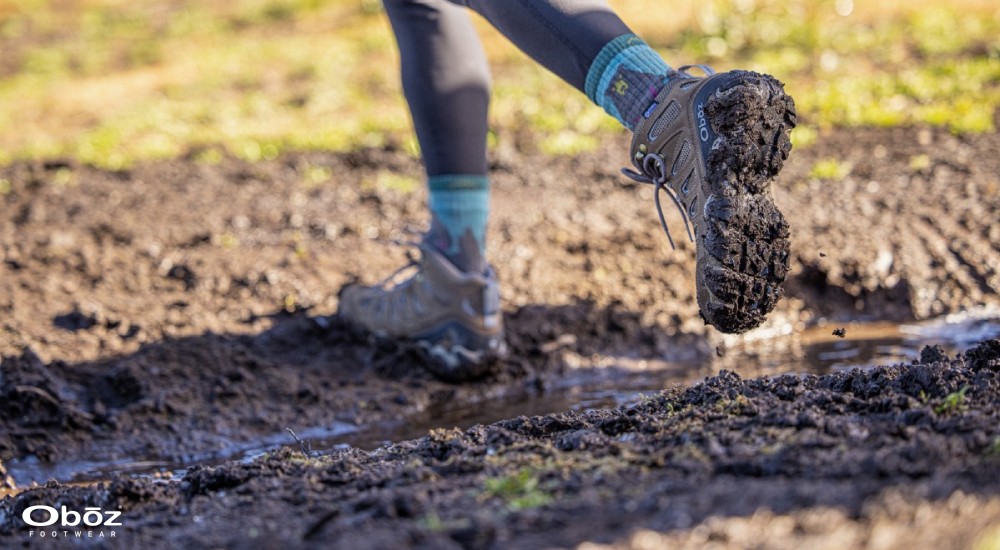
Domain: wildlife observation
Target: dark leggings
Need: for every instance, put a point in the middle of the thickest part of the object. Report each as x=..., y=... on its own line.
x=446, y=78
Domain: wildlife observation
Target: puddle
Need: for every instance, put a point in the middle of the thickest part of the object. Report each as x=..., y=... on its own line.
x=813, y=351
x=28, y=470
x=865, y=345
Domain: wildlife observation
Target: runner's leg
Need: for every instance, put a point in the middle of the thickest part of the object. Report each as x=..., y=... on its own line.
x=586, y=44
x=446, y=81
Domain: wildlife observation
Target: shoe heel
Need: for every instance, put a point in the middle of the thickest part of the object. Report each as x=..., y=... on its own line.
x=457, y=354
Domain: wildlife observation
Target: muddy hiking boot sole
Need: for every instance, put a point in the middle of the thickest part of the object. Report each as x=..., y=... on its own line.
x=714, y=144
x=451, y=320
x=437, y=354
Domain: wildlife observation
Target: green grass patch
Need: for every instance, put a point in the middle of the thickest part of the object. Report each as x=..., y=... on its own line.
x=952, y=403
x=830, y=169
x=520, y=491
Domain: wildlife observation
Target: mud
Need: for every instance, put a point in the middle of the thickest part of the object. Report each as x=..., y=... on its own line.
x=177, y=309
x=820, y=452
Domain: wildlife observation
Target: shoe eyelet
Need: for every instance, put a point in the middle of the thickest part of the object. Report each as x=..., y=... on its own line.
x=693, y=207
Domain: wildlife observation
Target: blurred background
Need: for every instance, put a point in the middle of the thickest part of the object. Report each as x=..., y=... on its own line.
x=112, y=82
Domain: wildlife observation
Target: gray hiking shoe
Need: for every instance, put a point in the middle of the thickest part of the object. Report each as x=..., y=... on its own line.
x=714, y=144
x=452, y=318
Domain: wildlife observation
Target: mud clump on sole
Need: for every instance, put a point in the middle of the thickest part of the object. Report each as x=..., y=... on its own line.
x=747, y=238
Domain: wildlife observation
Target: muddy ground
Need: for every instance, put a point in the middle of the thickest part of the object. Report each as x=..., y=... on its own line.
x=893, y=457
x=176, y=309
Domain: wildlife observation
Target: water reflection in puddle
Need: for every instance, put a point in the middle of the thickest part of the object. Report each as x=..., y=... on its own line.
x=819, y=351
x=813, y=351
x=30, y=469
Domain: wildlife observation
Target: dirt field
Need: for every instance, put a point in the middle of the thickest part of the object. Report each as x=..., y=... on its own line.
x=179, y=308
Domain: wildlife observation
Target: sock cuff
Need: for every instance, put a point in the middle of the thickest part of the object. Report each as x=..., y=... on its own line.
x=458, y=182
x=460, y=207
x=627, y=46
x=600, y=64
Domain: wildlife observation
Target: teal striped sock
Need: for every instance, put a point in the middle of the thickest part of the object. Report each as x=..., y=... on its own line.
x=625, y=78
x=460, y=207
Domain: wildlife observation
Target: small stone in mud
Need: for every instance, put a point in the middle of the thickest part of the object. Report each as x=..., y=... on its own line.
x=719, y=351
x=181, y=272
x=840, y=332
x=75, y=321
x=822, y=254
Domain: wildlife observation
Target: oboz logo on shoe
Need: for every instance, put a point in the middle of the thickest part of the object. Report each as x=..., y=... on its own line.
x=702, y=123
x=91, y=517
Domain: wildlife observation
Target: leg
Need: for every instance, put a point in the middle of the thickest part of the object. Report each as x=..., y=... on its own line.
x=446, y=81
x=712, y=144
x=449, y=309
x=586, y=44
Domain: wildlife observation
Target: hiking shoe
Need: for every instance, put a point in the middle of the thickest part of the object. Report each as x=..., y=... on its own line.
x=714, y=144
x=452, y=318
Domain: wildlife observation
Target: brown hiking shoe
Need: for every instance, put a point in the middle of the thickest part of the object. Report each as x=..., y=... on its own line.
x=714, y=144
x=452, y=318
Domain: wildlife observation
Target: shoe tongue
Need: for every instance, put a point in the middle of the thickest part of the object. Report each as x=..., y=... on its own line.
x=675, y=79
x=440, y=268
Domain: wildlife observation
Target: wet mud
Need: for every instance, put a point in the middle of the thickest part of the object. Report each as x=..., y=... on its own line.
x=816, y=450
x=177, y=310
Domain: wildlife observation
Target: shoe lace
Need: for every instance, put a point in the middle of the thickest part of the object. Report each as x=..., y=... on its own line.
x=654, y=172
x=411, y=261
x=396, y=297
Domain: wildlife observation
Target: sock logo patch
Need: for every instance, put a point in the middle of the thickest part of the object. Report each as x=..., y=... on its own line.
x=621, y=86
